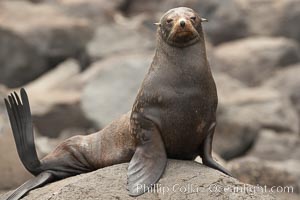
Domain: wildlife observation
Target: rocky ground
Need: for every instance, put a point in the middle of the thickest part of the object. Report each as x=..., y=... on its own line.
x=82, y=62
x=182, y=180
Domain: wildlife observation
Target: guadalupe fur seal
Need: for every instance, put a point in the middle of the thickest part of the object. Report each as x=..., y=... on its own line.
x=174, y=116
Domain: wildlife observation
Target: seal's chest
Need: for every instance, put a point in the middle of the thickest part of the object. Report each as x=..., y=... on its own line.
x=183, y=144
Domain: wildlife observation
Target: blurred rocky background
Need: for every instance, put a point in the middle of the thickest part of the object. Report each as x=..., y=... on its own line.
x=82, y=61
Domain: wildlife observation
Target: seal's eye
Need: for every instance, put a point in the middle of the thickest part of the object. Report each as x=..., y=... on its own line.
x=193, y=18
x=169, y=21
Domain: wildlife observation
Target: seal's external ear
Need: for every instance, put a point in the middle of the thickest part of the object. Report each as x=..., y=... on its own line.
x=157, y=24
x=204, y=20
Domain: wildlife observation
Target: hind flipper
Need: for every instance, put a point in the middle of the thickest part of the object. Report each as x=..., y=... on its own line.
x=67, y=160
x=206, y=152
x=149, y=160
x=38, y=181
x=21, y=124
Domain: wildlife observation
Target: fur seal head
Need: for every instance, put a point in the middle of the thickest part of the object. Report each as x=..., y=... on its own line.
x=180, y=27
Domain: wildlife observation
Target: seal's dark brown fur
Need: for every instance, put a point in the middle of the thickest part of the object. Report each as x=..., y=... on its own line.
x=175, y=109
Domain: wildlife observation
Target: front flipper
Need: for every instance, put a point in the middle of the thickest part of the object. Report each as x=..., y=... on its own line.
x=206, y=152
x=149, y=160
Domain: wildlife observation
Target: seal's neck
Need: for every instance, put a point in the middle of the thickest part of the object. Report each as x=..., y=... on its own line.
x=193, y=55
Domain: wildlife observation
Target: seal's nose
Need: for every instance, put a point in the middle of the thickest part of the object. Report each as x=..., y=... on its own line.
x=182, y=23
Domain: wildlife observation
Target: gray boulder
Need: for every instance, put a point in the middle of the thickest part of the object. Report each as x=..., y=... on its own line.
x=287, y=82
x=290, y=13
x=20, y=62
x=224, y=17
x=243, y=59
x=260, y=22
x=55, y=102
x=111, y=86
x=40, y=43
x=264, y=106
x=97, y=12
x=226, y=85
x=276, y=147
x=255, y=171
x=233, y=136
x=183, y=179
x=113, y=39
x=273, y=160
x=242, y=113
